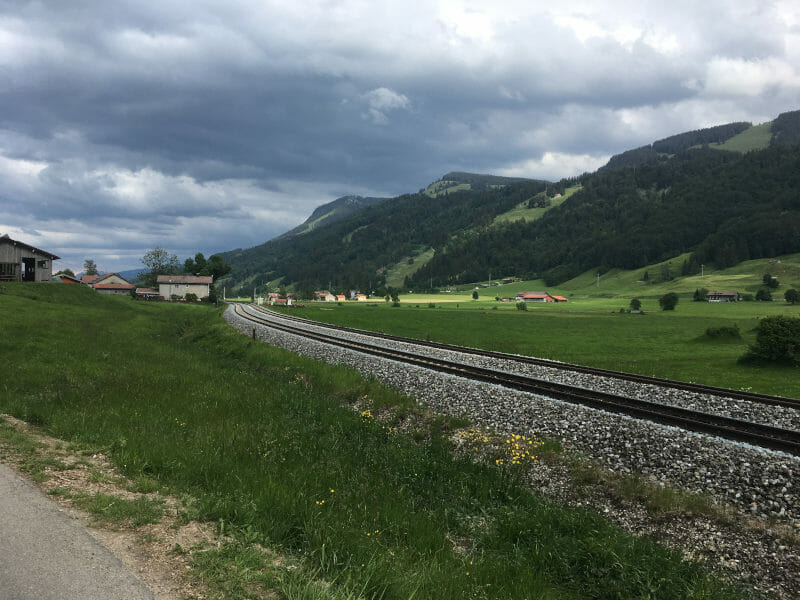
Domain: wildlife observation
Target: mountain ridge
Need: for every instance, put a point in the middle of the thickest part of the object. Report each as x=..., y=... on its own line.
x=453, y=226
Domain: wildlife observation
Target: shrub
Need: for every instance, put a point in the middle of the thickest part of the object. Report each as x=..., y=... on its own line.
x=777, y=340
x=190, y=297
x=522, y=306
x=668, y=301
x=475, y=295
x=723, y=332
x=636, y=304
x=764, y=295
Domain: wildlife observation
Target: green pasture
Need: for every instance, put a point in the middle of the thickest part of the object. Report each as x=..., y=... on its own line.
x=304, y=459
x=521, y=211
x=590, y=331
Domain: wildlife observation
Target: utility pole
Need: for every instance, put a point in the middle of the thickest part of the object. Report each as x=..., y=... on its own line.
x=702, y=271
x=598, y=279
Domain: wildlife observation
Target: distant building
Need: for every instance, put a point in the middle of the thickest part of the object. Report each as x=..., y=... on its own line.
x=181, y=285
x=112, y=284
x=723, y=296
x=534, y=297
x=146, y=293
x=22, y=262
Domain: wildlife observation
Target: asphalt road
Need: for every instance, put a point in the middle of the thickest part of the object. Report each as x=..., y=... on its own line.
x=46, y=555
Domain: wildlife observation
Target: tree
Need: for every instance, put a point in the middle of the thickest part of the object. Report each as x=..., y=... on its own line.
x=792, y=296
x=764, y=295
x=777, y=340
x=770, y=281
x=700, y=295
x=158, y=262
x=214, y=266
x=668, y=301
x=475, y=295
x=89, y=268
x=636, y=304
x=66, y=272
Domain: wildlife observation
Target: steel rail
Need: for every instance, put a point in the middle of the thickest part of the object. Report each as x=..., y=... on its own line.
x=543, y=362
x=756, y=434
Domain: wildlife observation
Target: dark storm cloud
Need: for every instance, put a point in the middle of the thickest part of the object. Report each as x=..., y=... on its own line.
x=204, y=127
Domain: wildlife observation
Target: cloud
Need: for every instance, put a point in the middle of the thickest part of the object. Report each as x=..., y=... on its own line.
x=383, y=100
x=209, y=127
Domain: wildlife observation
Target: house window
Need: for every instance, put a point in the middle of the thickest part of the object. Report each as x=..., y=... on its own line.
x=42, y=264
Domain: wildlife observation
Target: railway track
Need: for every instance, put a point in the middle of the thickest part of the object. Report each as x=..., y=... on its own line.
x=756, y=434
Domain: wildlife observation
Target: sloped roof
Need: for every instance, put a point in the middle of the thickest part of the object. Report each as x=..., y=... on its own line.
x=50, y=255
x=185, y=279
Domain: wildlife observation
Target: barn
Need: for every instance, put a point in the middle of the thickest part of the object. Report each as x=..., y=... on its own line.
x=22, y=262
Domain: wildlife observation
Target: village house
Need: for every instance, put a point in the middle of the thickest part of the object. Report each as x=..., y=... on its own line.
x=722, y=296
x=112, y=284
x=64, y=278
x=146, y=293
x=324, y=297
x=178, y=286
x=22, y=262
x=534, y=297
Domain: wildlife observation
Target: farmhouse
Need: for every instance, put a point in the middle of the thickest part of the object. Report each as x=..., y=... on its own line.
x=112, y=284
x=21, y=262
x=723, y=296
x=180, y=285
x=534, y=297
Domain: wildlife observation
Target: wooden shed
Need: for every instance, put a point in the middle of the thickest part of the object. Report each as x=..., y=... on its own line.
x=22, y=262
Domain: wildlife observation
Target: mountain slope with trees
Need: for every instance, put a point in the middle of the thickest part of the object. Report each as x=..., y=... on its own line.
x=682, y=194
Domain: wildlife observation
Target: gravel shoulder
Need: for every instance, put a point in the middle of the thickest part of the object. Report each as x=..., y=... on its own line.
x=752, y=535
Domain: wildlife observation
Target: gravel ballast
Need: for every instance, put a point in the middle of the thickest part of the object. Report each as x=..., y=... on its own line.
x=759, y=484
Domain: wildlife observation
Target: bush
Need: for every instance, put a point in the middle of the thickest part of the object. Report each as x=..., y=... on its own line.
x=723, y=332
x=777, y=340
x=764, y=295
x=636, y=304
x=522, y=306
x=668, y=301
x=190, y=297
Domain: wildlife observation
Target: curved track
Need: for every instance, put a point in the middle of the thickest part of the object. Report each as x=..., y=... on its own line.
x=725, y=427
x=530, y=360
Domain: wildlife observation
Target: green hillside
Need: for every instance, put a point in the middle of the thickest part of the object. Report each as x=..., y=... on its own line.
x=535, y=207
x=720, y=196
x=754, y=138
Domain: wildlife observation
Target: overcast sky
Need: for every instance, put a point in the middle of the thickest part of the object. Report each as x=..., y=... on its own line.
x=208, y=126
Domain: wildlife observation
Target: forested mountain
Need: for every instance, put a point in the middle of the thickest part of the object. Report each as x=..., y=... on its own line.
x=725, y=207
x=356, y=250
x=680, y=194
x=332, y=212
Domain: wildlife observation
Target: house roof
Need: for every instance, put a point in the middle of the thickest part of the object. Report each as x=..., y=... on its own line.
x=145, y=291
x=185, y=279
x=723, y=293
x=104, y=276
x=5, y=238
x=89, y=278
x=532, y=295
x=113, y=286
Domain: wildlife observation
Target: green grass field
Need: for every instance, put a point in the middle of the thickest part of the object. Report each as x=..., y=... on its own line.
x=754, y=138
x=521, y=211
x=591, y=330
x=270, y=448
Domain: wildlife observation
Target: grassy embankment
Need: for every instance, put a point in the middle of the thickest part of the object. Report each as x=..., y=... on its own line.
x=589, y=329
x=269, y=447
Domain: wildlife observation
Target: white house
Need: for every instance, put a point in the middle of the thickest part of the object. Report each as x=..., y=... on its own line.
x=180, y=285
